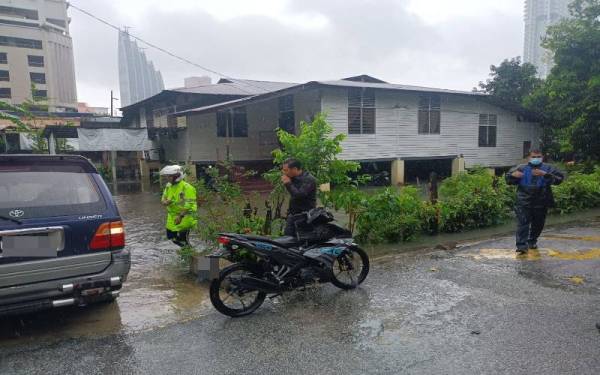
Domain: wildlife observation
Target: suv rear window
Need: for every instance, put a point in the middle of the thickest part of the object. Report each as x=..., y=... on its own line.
x=46, y=191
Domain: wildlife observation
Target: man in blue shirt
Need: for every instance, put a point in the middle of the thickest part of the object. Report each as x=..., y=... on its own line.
x=534, y=197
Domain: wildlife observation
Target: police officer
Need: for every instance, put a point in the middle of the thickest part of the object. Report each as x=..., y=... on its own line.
x=302, y=187
x=179, y=197
x=534, y=197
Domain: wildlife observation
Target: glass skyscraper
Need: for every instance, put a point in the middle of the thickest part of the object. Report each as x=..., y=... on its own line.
x=138, y=79
x=539, y=15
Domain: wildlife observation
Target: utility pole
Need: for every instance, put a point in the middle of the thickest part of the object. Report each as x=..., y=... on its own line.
x=112, y=99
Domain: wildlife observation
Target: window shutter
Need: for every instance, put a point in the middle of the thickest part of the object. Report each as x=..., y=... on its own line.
x=354, y=97
x=240, y=123
x=368, y=121
x=354, y=119
x=222, y=124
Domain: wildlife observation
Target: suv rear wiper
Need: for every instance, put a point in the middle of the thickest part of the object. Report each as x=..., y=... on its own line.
x=11, y=219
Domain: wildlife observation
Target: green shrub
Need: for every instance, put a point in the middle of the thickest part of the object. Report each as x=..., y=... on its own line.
x=390, y=216
x=430, y=217
x=473, y=200
x=579, y=191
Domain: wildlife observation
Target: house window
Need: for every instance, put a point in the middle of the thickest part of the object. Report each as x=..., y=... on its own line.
x=361, y=111
x=3, y=58
x=5, y=93
x=232, y=123
x=10, y=41
x=4, y=75
x=286, y=114
x=429, y=114
x=40, y=94
x=163, y=117
x=488, y=125
x=37, y=61
x=39, y=78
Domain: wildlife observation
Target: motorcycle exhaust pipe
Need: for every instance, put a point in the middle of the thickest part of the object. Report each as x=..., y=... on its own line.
x=261, y=285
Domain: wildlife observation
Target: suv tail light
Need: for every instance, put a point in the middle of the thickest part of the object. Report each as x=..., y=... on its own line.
x=109, y=236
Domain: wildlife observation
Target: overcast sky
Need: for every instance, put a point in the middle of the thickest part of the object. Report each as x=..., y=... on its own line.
x=437, y=43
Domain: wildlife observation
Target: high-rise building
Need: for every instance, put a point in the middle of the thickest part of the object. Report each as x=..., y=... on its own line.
x=539, y=15
x=138, y=79
x=36, y=54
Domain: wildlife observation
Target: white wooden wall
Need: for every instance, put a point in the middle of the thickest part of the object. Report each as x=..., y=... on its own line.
x=397, y=130
x=201, y=144
x=396, y=134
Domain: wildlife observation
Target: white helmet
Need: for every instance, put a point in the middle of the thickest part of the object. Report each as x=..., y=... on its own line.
x=172, y=170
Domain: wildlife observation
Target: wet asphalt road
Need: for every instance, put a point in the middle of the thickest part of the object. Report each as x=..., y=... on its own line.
x=474, y=310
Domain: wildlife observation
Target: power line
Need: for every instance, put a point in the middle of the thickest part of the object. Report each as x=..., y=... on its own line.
x=151, y=45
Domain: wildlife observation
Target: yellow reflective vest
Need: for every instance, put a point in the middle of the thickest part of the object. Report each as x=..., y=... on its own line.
x=183, y=197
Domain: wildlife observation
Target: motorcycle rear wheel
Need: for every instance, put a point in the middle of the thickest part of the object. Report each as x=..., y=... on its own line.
x=229, y=299
x=350, y=270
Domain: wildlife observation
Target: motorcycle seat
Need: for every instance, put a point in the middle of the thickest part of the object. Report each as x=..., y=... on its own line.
x=286, y=241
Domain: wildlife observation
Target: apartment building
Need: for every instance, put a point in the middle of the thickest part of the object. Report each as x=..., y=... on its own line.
x=36, y=54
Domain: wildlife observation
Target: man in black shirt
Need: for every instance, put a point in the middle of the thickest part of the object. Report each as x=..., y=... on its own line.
x=302, y=187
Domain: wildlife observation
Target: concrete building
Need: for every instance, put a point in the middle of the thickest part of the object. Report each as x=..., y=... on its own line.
x=539, y=15
x=407, y=130
x=138, y=79
x=36, y=49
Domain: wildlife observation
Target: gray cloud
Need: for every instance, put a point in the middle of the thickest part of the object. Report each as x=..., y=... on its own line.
x=361, y=36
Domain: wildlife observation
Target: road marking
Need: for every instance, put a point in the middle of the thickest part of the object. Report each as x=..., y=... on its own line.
x=533, y=255
x=572, y=238
x=577, y=280
x=577, y=255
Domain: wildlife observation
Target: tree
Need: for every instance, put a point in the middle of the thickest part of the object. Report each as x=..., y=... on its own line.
x=569, y=99
x=317, y=149
x=510, y=82
x=13, y=114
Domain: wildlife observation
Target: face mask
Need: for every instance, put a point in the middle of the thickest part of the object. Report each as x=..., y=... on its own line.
x=535, y=161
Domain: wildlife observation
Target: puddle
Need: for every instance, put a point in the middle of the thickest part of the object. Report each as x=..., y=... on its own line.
x=159, y=290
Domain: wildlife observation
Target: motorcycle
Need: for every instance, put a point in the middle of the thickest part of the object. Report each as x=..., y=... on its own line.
x=321, y=252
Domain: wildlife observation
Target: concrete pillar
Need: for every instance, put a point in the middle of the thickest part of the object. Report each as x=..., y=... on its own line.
x=398, y=172
x=113, y=167
x=458, y=165
x=52, y=144
x=5, y=142
x=144, y=174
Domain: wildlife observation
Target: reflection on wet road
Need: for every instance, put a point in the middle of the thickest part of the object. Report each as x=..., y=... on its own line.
x=159, y=290
x=474, y=309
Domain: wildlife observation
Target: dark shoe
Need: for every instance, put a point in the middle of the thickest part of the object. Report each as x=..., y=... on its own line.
x=521, y=251
x=533, y=246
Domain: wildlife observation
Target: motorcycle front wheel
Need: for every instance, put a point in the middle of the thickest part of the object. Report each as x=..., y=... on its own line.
x=350, y=269
x=230, y=299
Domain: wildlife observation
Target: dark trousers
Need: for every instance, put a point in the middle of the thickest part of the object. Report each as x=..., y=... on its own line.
x=179, y=238
x=290, y=224
x=531, y=222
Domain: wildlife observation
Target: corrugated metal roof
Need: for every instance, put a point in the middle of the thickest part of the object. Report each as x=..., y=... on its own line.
x=334, y=83
x=240, y=87
x=236, y=87
x=391, y=86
